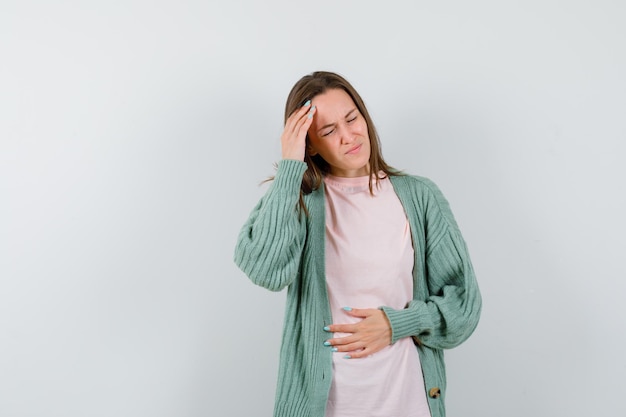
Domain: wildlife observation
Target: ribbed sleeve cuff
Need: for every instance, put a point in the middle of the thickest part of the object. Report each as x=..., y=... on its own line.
x=289, y=174
x=404, y=323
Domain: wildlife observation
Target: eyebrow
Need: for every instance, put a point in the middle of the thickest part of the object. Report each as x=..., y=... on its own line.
x=333, y=124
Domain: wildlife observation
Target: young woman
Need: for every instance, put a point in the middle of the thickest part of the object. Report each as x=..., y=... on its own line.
x=379, y=277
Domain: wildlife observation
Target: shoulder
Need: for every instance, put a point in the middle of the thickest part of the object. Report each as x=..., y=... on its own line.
x=423, y=196
x=415, y=184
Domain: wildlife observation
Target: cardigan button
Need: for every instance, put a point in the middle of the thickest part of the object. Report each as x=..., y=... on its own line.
x=434, y=392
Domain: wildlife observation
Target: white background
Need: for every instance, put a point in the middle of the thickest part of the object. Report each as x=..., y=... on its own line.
x=134, y=136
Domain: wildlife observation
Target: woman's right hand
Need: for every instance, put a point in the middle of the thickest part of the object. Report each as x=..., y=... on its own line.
x=293, y=139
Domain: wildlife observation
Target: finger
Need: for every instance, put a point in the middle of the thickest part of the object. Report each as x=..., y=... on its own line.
x=342, y=328
x=341, y=341
x=349, y=348
x=361, y=312
x=358, y=354
x=298, y=114
x=302, y=125
x=296, y=131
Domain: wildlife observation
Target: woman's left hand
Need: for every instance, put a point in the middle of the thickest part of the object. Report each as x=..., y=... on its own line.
x=366, y=337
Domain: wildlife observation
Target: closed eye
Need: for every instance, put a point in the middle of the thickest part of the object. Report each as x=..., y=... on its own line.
x=350, y=117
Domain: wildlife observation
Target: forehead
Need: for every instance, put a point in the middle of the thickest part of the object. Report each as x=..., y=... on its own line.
x=333, y=103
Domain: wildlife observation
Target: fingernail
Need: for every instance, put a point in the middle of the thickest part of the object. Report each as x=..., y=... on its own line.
x=327, y=343
x=307, y=103
x=347, y=357
x=326, y=329
x=348, y=308
x=334, y=349
x=310, y=115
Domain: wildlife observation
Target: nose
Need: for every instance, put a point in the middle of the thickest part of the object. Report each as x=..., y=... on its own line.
x=345, y=134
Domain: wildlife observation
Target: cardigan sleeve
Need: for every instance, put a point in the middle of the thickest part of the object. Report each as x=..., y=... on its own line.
x=270, y=243
x=450, y=312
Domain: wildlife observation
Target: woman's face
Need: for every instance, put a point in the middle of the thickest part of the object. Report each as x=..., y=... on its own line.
x=339, y=134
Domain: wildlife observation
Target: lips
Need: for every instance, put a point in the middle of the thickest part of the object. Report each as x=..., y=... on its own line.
x=354, y=150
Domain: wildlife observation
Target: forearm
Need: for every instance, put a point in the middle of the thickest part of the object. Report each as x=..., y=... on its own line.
x=451, y=312
x=270, y=243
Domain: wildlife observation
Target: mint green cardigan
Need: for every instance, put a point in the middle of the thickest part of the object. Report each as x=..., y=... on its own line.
x=280, y=247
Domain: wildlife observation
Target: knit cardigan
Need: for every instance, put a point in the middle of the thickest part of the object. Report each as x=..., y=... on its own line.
x=279, y=246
